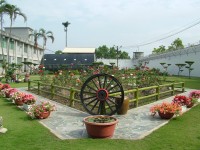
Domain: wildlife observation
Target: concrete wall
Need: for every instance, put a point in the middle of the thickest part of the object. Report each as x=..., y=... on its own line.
x=176, y=57
x=173, y=57
x=122, y=63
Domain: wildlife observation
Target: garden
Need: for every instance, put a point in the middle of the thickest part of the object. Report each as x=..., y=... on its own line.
x=24, y=125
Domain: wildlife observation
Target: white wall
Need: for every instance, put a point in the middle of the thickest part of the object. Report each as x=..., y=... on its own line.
x=122, y=63
x=176, y=57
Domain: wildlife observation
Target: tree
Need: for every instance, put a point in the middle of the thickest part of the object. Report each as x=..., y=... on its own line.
x=161, y=49
x=35, y=35
x=2, y=12
x=58, y=52
x=110, y=53
x=46, y=34
x=180, y=66
x=189, y=63
x=13, y=11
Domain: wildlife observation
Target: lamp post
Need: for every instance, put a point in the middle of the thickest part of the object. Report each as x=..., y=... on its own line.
x=66, y=24
x=117, y=51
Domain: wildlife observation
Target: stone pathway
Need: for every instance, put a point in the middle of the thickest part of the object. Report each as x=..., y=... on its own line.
x=66, y=122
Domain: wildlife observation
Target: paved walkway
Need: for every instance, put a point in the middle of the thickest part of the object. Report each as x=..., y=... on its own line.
x=66, y=122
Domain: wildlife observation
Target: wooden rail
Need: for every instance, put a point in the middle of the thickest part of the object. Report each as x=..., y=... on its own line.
x=36, y=85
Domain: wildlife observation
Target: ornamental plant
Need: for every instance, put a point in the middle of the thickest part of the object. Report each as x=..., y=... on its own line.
x=18, y=95
x=195, y=94
x=5, y=86
x=37, y=110
x=166, y=107
x=9, y=92
x=181, y=99
x=29, y=99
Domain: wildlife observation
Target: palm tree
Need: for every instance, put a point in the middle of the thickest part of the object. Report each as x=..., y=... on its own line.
x=2, y=7
x=46, y=34
x=13, y=11
x=35, y=35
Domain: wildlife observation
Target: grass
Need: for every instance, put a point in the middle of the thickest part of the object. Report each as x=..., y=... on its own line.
x=182, y=133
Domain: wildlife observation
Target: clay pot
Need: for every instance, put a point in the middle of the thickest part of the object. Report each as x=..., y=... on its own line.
x=18, y=102
x=43, y=115
x=100, y=130
x=125, y=106
x=190, y=105
x=166, y=115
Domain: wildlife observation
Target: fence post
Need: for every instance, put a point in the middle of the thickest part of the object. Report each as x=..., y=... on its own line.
x=71, y=98
x=29, y=85
x=172, y=89
x=158, y=92
x=52, y=91
x=183, y=87
x=38, y=88
x=137, y=96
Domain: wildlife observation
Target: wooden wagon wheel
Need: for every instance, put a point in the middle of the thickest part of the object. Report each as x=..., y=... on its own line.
x=98, y=95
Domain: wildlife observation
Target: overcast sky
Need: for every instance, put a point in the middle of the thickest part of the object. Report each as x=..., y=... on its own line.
x=111, y=22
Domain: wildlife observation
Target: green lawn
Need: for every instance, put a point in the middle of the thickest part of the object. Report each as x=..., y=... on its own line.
x=182, y=133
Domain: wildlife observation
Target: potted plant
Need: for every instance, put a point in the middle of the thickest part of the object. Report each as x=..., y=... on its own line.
x=9, y=92
x=18, y=98
x=191, y=101
x=166, y=110
x=41, y=111
x=28, y=101
x=100, y=126
x=195, y=94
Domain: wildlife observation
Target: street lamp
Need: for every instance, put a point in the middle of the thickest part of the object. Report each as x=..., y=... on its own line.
x=66, y=24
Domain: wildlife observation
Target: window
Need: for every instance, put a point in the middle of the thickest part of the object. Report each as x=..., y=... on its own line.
x=19, y=60
x=25, y=48
x=3, y=42
x=12, y=44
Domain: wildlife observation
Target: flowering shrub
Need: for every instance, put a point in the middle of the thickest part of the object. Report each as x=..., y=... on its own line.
x=181, y=99
x=9, y=92
x=195, y=94
x=166, y=107
x=28, y=99
x=37, y=110
x=6, y=86
x=18, y=95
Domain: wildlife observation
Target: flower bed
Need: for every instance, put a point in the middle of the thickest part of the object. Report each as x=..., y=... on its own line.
x=21, y=98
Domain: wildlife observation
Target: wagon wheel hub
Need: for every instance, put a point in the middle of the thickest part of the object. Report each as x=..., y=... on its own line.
x=102, y=94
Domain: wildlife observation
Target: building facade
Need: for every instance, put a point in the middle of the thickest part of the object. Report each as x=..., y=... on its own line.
x=22, y=47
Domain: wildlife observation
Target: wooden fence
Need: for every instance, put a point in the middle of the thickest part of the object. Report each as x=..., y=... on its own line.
x=51, y=89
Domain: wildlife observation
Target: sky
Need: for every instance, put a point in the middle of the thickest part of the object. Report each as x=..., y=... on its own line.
x=125, y=23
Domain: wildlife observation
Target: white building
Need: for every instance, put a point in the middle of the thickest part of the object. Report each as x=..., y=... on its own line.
x=21, y=46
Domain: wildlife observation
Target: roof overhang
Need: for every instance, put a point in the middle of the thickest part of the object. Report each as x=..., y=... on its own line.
x=78, y=50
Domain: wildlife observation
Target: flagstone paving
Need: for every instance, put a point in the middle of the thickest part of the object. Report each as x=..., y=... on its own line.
x=66, y=122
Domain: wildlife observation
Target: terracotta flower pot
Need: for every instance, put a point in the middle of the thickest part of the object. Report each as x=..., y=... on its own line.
x=18, y=102
x=43, y=115
x=166, y=115
x=190, y=105
x=100, y=130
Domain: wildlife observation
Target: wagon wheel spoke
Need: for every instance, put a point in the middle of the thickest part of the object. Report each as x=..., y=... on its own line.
x=99, y=82
x=95, y=84
x=89, y=97
x=94, y=105
x=109, y=84
x=105, y=80
x=91, y=101
x=109, y=106
x=112, y=87
x=95, y=94
x=91, y=88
